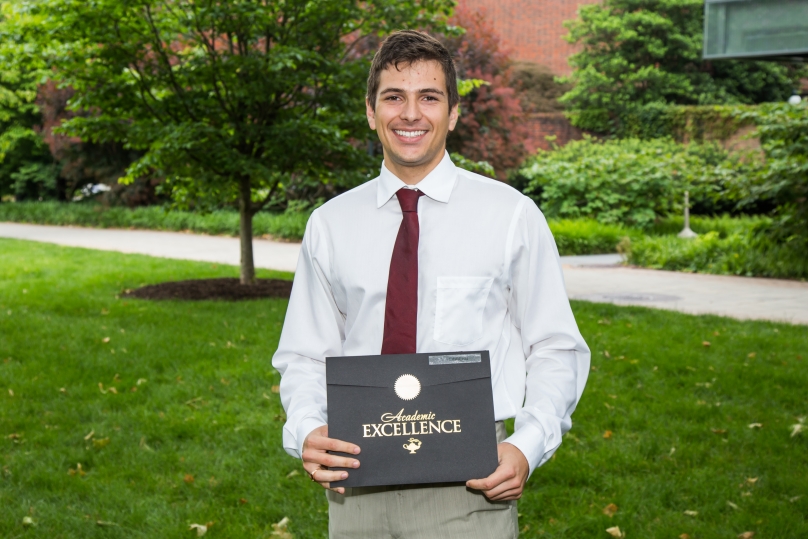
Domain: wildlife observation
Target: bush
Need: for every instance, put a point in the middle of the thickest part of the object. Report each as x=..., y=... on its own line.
x=739, y=248
x=630, y=182
x=587, y=236
x=289, y=225
x=724, y=225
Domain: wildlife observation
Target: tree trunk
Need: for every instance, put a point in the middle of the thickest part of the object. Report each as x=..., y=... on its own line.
x=245, y=231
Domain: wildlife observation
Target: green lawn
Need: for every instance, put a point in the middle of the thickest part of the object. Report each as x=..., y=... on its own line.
x=199, y=439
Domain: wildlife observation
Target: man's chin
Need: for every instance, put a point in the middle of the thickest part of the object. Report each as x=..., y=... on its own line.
x=412, y=159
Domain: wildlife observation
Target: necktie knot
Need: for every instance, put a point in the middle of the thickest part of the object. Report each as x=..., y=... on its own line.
x=408, y=199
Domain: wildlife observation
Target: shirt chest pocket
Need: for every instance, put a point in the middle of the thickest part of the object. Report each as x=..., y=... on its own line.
x=459, y=307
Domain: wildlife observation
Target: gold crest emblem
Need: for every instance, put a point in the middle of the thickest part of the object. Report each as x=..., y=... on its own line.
x=413, y=446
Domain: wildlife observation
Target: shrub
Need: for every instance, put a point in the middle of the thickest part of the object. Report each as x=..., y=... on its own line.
x=741, y=248
x=587, y=236
x=289, y=225
x=630, y=181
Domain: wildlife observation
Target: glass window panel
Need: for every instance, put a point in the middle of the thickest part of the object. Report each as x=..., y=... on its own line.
x=750, y=28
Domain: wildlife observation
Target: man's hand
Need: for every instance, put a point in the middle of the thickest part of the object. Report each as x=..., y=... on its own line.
x=508, y=480
x=315, y=457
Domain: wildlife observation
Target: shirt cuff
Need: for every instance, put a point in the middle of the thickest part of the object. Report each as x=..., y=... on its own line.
x=304, y=429
x=531, y=441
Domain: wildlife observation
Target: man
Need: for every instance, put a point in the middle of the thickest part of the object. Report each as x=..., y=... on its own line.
x=429, y=258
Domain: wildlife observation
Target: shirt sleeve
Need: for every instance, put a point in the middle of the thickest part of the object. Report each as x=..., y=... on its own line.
x=312, y=330
x=557, y=358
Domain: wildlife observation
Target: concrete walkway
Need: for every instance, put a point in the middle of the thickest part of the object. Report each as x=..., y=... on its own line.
x=598, y=278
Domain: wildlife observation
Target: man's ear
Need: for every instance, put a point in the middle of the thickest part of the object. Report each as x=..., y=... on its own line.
x=371, y=114
x=454, y=114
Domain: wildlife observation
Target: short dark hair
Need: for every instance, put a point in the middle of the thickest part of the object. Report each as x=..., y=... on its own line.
x=410, y=47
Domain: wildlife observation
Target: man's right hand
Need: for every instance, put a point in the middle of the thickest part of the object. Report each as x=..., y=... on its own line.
x=316, y=456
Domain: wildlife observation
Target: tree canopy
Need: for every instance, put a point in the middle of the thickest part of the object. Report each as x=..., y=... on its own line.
x=230, y=101
x=636, y=52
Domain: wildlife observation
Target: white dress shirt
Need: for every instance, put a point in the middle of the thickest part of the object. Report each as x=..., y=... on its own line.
x=489, y=278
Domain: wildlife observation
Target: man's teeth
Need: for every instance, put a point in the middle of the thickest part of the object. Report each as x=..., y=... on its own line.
x=409, y=134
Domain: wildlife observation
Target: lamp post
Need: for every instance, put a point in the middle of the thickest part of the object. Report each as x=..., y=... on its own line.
x=686, y=232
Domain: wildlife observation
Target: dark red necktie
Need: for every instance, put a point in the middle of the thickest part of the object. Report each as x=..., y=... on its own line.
x=401, y=308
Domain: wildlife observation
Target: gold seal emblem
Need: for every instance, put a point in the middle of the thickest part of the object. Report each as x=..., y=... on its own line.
x=407, y=387
x=413, y=446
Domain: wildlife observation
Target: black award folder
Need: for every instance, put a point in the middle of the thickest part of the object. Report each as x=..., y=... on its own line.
x=418, y=418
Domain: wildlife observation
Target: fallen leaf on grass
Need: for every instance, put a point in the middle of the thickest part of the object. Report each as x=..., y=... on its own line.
x=141, y=381
x=797, y=428
x=610, y=510
x=103, y=523
x=275, y=389
x=279, y=529
x=746, y=535
x=614, y=531
x=608, y=406
x=100, y=444
x=192, y=402
x=684, y=536
x=794, y=498
x=242, y=501
x=28, y=521
x=105, y=340
x=188, y=478
x=606, y=353
x=755, y=425
x=705, y=344
x=62, y=390
x=719, y=431
x=607, y=435
x=692, y=513
x=732, y=505
x=525, y=528
x=144, y=445
x=292, y=474
x=266, y=396
x=90, y=434
x=10, y=392
x=77, y=471
x=201, y=529
x=751, y=480
x=108, y=390
x=751, y=355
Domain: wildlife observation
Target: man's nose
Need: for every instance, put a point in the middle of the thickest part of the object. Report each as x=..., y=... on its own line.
x=412, y=111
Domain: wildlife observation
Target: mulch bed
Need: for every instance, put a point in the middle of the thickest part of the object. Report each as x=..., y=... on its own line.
x=226, y=289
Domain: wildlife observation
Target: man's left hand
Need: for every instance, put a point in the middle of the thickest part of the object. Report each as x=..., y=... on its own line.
x=508, y=480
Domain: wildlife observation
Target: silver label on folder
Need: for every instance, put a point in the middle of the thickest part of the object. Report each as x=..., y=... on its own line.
x=452, y=359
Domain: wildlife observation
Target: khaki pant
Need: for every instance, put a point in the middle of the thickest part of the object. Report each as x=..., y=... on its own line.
x=445, y=511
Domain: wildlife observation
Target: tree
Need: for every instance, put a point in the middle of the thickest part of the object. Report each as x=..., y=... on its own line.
x=26, y=168
x=636, y=52
x=492, y=123
x=783, y=175
x=232, y=102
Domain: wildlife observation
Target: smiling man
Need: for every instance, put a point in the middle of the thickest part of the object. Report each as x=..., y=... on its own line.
x=429, y=258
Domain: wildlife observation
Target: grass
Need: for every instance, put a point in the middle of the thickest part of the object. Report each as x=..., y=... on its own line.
x=200, y=439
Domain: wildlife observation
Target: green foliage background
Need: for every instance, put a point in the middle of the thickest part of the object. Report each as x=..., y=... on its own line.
x=640, y=52
x=631, y=182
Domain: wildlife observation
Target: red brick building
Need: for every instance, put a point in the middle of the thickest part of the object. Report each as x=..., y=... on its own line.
x=532, y=31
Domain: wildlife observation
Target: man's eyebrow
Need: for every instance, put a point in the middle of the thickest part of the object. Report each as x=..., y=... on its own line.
x=422, y=91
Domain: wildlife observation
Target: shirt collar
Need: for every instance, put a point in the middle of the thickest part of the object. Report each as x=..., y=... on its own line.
x=437, y=185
